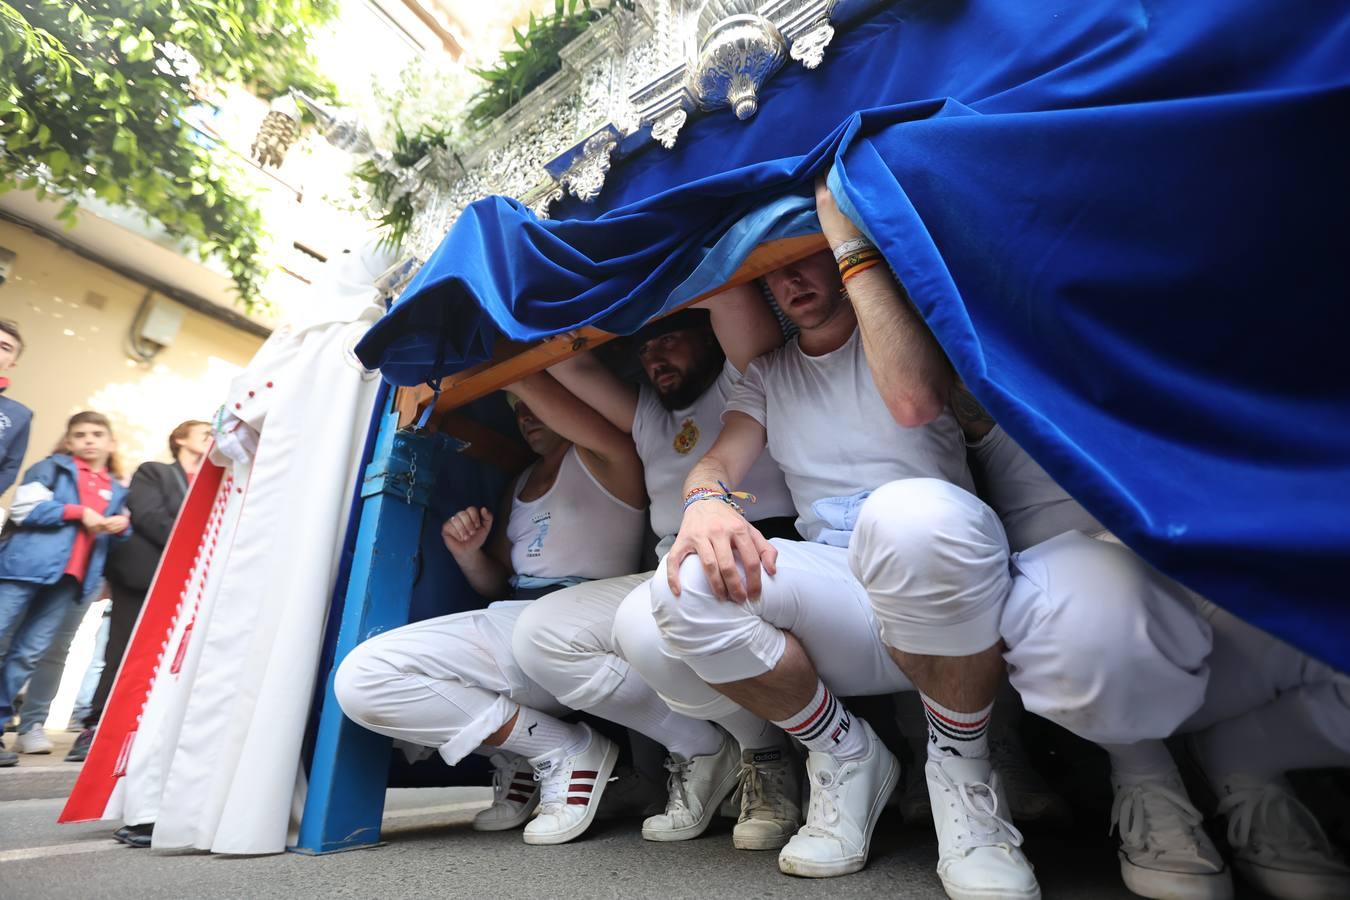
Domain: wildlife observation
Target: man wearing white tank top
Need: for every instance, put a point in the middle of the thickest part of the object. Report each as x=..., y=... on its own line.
x=452, y=683
x=1266, y=709
x=692, y=361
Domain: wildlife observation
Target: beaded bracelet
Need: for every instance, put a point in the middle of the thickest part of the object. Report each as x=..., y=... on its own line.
x=852, y=246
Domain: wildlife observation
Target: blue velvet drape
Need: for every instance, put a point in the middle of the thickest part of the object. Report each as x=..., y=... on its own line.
x=1128, y=223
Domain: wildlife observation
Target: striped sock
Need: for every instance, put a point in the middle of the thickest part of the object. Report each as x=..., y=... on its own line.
x=952, y=733
x=825, y=726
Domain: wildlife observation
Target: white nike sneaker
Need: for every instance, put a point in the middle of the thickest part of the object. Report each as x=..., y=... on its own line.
x=846, y=801
x=697, y=788
x=979, y=851
x=771, y=808
x=1277, y=843
x=515, y=794
x=570, y=788
x=1165, y=853
x=34, y=742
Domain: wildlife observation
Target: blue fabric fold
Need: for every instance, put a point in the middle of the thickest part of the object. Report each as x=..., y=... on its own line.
x=840, y=515
x=1123, y=221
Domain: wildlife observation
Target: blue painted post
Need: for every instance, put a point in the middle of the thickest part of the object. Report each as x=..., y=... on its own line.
x=350, y=768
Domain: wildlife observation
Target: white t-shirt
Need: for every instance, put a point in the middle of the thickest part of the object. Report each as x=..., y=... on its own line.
x=1032, y=506
x=577, y=529
x=831, y=433
x=669, y=442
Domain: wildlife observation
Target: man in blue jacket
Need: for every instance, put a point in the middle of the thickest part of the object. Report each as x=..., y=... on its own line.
x=64, y=515
x=14, y=416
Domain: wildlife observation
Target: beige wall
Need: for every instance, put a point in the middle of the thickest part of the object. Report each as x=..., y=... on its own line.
x=75, y=358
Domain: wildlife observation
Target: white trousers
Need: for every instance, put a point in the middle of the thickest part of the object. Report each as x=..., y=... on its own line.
x=446, y=683
x=1107, y=647
x=565, y=640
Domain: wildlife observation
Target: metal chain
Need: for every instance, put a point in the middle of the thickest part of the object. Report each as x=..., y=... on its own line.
x=412, y=478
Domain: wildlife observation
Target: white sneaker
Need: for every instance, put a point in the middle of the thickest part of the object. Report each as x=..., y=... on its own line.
x=1164, y=850
x=34, y=741
x=570, y=788
x=1030, y=798
x=1277, y=843
x=979, y=851
x=771, y=808
x=846, y=801
x=697, y=788
x=515, y=794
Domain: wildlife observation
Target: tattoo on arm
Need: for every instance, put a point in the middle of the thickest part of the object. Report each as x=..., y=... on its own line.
x=975, y=421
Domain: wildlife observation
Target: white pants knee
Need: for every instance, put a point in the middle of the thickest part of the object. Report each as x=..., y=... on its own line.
x=447, y=683
x=934, y=560
x=565, y=641
x=1102, y=643
x=813, y=595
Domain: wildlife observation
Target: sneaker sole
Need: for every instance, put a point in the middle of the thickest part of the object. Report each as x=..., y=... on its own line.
x=689, y=832
x=956, y=893
x=761, y=843
x=805, y=868
x=1162, y=885
x=605, y=770
x=41, y=751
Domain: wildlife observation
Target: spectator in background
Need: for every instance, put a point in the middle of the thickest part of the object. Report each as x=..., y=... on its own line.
x=14, y=416
x=157, y=491
x=65, y=514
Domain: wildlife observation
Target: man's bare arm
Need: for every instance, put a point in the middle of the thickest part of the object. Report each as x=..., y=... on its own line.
x=609, y=452
x=909, y=368
x=715, y=532
x=599, y=388
x=744, y=324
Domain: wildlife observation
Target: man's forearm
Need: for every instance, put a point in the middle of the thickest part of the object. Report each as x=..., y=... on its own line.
x=484, y=574
x=707, y=472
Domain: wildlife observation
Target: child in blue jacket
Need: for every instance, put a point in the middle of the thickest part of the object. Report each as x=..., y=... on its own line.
x=65, y=513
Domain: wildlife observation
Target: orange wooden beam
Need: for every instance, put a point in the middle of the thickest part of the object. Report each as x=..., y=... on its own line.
x=512, y=361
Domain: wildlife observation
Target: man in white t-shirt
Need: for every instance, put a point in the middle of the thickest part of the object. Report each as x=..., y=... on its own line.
x=1264, y=709
x=692, y=361
x=451, y=683
x=852, y=407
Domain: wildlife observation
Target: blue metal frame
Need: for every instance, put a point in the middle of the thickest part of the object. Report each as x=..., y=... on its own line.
x=349, y=773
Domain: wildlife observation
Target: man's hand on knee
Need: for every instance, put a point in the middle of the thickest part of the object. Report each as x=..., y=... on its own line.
x=721, y=538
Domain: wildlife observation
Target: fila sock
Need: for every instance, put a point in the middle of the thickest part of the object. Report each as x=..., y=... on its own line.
x=952, y=733
x=825, y=726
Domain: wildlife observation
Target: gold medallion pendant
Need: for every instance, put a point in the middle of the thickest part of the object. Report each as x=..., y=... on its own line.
x=687, y=438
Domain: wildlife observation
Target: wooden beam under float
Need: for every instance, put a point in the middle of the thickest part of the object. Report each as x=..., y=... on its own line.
x=512, y=361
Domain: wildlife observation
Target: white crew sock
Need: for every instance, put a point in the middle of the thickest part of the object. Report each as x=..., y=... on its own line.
x=536, y=734
x=952, y=733
x=752, y=732
x=635, y=705
x=825, y=726
x=1140, y=758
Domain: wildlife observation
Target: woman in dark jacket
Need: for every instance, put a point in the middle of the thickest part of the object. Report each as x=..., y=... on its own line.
x=157, y=491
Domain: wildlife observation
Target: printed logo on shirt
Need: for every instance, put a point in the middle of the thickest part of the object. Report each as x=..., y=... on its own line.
x=5, y=423
x=105, y=494
x=536, y=546
x=687, y=437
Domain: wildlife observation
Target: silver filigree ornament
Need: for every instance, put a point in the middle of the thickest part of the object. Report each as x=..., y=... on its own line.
x=667, y=128
x=737, y=55
x=809, y=47
x=586, y=176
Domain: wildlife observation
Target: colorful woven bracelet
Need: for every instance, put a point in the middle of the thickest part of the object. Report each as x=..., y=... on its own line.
x=726, y=495
x=860, y=267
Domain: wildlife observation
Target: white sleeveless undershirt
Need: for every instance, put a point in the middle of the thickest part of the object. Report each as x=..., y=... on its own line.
x=577, y=529
x=669, y=442
x=1033, y=507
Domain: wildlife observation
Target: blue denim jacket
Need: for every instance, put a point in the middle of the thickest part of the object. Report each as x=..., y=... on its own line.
x=38, y=548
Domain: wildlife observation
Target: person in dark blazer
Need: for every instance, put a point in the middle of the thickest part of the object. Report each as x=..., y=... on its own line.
x=157, y=492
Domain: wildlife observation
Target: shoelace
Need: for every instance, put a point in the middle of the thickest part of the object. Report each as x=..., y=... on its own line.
x=1153, y=810
x=675, y=785
x=984, y=826
x=1285, y=826
x=552, y=785
x=503, y=773
x=822, y=813
x=757, y=787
